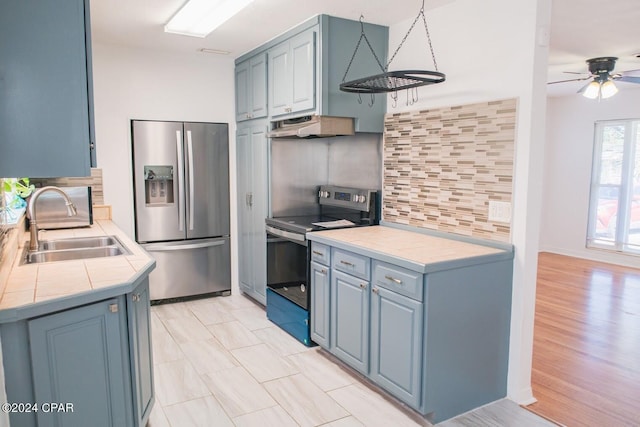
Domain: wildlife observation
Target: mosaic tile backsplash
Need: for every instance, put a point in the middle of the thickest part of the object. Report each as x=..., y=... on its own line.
x=442, y=167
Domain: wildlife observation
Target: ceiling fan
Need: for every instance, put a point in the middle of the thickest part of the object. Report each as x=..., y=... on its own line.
x=602, y=84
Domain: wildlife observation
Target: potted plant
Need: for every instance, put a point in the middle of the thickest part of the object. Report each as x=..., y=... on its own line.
x=16, y=190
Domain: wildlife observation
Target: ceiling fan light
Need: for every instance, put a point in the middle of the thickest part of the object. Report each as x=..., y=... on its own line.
x=608, y=89
x=592, y=90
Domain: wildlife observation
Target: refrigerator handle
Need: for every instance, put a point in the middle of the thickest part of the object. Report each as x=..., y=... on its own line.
x=181, y=202
x=191, y=181
x=163, y=247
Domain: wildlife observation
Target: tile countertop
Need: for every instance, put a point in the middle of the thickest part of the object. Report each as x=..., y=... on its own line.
x=31, y=285
x=416, y=250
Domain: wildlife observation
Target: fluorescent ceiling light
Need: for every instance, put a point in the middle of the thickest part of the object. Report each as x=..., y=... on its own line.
x=197, y=18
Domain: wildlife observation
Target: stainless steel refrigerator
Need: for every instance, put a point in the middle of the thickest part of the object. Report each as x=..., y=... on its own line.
x=181, y=197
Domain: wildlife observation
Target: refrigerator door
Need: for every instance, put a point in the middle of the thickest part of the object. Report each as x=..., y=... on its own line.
x=190, y=268
x=207, y=177
x=158, y=179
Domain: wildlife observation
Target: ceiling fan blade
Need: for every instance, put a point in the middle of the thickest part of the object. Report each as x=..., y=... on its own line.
x=571, y=80
x=628, y=79
x=626, y=73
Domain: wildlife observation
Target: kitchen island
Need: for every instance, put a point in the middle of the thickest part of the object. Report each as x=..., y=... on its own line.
x=423, y=315
x=77, y=334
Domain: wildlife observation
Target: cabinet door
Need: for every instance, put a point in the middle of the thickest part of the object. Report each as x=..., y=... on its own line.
x=258, y=87
x=77, y=357
x=259, y=209
x=396, y=344
x=251, y=88
x=44, y=100
x=320, y=304
x=350, y=320
x=280, y=80
x=243, y=148
x=138, y=312
x=243, y=91
x=253, y=207
x=303, y=69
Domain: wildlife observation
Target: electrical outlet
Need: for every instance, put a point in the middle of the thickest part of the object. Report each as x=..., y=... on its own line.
x=500, y=211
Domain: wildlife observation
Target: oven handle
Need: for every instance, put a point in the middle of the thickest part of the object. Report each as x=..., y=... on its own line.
x=286, y=234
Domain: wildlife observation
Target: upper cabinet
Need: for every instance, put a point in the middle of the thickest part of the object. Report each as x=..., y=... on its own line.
x=292, y=77
x=306, y=66
x=46, y=112
x=251, y=88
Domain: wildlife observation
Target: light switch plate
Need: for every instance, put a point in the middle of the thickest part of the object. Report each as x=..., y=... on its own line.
x=500, y=211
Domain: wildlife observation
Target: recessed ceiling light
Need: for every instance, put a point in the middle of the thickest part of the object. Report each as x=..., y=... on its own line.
x=214, y=51
x=197, y=18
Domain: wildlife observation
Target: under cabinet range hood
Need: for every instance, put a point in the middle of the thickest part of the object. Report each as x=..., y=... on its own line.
x=312, y=127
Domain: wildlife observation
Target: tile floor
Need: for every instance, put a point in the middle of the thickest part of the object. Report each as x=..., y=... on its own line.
x=220, y=362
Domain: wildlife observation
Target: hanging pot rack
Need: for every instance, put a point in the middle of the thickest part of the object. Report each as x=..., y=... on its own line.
x=392, y=81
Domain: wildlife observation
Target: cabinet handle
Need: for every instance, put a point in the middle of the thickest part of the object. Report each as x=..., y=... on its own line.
x=346, y=263
x=363, y=286
x=323, y=271
x=393, y=279
x=318, y=253
x=135, y=297
x=248, y=116
x=113, y=308
x=288, y=109
x=375, y=290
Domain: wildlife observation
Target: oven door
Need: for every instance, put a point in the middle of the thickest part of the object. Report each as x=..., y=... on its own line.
x=287, y=266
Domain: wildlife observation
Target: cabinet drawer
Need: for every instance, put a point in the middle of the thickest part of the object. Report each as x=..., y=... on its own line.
x=351, y=263
x=405, y=282
x=320, y=253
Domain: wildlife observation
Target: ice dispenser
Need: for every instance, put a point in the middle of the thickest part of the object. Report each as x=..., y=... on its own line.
x=158, y=185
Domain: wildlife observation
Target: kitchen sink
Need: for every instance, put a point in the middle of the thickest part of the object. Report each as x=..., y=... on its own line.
x=75, y=249
x=79, y=243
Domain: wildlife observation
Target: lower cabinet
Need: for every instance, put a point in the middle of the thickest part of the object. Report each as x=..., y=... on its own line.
x=350, y=320
x=367, y=324
x=321, y=303
x=76, y=356
x=438, y=341
x=85, y=366
x=396, y=344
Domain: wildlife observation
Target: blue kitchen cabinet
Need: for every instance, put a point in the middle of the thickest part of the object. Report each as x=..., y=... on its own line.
x=93, y=358
x=251, y=88
x=292, y=73
x=396, y=344
x=46, y=105
x=350, y=320
x=320, y=303
x=305, y=67
x=253, y=197
x=435, y=336
x=77, y=359
x=139, y=323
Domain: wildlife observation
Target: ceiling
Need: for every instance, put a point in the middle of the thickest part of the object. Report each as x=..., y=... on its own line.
x=580, y=29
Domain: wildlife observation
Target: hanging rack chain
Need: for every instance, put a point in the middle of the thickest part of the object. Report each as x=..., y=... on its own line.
x=362, y=36
x=424, y=19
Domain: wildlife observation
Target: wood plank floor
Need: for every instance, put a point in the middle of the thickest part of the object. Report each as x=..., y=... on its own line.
x=586, y=350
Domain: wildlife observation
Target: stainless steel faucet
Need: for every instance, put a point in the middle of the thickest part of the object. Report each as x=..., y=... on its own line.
x=33, y=227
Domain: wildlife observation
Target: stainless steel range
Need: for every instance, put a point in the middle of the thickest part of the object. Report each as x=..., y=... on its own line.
x=288, y=252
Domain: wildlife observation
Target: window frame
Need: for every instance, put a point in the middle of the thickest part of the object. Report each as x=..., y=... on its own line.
x=620, y=242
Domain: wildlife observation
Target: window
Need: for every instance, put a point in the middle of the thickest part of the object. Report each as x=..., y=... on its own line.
x=614, y=209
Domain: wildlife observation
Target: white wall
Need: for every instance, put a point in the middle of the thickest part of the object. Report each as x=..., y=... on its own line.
x=143, y=84
x=567, y=173
x=495, y=49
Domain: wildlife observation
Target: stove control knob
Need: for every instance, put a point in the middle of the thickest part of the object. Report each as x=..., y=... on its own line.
x=362, y=199
x=354, y=198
